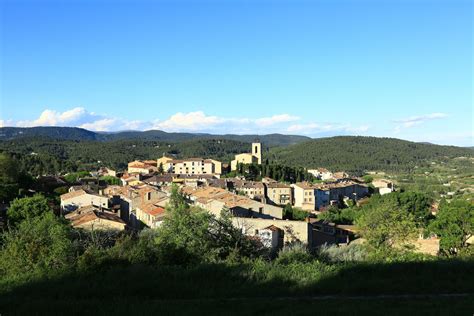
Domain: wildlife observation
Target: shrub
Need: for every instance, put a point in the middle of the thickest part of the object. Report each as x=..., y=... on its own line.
x=28, y=207
x=39, y=245
x=349, y=253
x=294, y=253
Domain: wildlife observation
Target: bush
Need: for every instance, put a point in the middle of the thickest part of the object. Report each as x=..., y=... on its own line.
x=294, y=253
x=28, y=207
x=111, y=180
x=294, y=213
x=40, y=245
x=349, y=253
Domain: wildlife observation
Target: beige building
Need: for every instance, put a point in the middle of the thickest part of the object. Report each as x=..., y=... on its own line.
x=292, y=231
x=93, y=218
x=75, y=199
x=151, y=215
x=383, y=186
x=304, y=195
x=279, y=193
x=248, y=158
x=132, y=198
x=311, y=197
x=142, y=167
x=251, y=189
x=190, y=166
x=215, y=200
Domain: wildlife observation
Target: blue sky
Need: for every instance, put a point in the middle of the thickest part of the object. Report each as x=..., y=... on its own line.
x=382, y=68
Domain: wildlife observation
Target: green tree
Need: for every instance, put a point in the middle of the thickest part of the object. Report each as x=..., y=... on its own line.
x=454, y=224
x=39, y=245
x=191, y=235
x=75, y=176
x=386, y=225
x=27, y=207
x=111, y=180
x=294, y=213
x=9, y=177
x=368, y=178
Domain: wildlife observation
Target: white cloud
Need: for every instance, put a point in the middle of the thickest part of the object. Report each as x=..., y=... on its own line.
x=275, y=119
x=102, y=125
x=316, y=128
x=417, y=120
x=200, y=122
x=192, y=121
x=4, y=123
x=196, y=122
x=73, y=114
x=73, y=117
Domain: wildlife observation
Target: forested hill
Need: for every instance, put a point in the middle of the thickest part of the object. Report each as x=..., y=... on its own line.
x=80, y=134
x=356, y=153
x=57, y=150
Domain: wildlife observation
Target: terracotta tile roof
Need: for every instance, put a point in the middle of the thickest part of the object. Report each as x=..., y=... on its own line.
x=88, y=214
x=249, y=184
x=152, y=209
x=204, y=195
x=73, y=194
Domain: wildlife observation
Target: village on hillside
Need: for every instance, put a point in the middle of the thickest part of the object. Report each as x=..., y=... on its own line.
x=259, y=208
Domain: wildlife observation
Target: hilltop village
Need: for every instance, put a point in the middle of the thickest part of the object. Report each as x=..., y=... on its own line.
x=259, y=208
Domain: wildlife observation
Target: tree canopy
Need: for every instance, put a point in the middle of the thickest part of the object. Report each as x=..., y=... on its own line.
x=454, y=223
x=27, y=207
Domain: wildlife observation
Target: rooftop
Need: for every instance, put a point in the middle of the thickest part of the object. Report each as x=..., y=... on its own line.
x=73, y=194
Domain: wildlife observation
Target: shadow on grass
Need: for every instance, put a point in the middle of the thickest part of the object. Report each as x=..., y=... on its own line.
x=221, y=289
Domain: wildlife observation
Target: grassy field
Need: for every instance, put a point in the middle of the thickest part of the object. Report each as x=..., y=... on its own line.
x=254, y=288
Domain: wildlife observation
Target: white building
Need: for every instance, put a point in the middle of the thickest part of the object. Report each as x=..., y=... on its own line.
x=80, y=198
x=190, y=166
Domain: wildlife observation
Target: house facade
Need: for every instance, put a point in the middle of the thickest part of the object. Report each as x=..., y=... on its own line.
x=142, y=167
x=73, y=200
x=278, y=193
x=93, y=218
x=308, y=196
x=151, y=215
x=214, y=200
x=191, y=166
x=251, y=189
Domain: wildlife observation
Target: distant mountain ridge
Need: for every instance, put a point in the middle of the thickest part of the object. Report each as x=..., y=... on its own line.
x=80, y=134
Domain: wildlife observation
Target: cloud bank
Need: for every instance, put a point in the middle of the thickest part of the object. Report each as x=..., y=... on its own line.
x=194, y=122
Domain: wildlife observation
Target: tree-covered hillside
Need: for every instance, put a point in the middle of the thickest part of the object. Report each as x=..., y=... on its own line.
x=40, y=155
x=356, y=153
x=80, y=134
x=48, y=156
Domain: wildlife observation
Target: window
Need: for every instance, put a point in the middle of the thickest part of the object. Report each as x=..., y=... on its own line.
x=148, y=196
